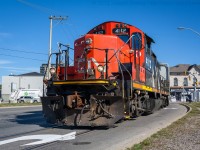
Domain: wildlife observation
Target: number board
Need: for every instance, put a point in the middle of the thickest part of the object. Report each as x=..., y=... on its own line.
x=120, y=30
x=99, y=32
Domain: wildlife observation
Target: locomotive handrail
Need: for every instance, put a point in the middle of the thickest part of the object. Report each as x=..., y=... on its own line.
x=120, y=48
x=44, y=80
x=46, y=71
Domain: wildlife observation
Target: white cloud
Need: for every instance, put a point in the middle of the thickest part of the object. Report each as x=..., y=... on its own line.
x=19, y=69
x=5, y=35
x=3, y=62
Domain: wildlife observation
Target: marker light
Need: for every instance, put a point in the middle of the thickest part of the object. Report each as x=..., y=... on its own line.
x=52, y=70
x=88, y=41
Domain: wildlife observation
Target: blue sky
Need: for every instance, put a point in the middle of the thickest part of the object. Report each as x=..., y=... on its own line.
x=24, y=28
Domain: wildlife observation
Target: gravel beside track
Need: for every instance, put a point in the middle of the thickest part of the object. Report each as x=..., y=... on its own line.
x=185, y=136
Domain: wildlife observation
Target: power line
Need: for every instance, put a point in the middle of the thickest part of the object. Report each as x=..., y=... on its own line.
x=21, y=57
x=74, y=28
x=63, y=28
x=40, y=8
x=22, y=51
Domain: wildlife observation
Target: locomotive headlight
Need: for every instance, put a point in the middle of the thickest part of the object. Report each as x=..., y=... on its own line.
x=52, y=70
x=88, y=41
x=100, y=68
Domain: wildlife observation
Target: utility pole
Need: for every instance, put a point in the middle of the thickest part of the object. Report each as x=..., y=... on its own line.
x=50, y=37
x=194, y=84
x=195, y=93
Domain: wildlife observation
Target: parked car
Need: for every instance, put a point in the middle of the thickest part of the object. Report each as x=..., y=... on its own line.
x=28, y=99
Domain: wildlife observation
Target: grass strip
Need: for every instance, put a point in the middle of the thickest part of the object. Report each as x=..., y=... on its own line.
x=168, y=131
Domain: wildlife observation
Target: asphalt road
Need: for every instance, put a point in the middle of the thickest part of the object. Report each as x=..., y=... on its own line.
x=15, y=123
x=20, y=120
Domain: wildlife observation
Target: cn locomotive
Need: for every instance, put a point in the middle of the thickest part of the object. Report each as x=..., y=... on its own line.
x=115, y=75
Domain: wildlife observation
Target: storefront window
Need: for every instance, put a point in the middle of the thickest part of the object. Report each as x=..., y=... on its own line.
x=185, y=82
x=175, y=82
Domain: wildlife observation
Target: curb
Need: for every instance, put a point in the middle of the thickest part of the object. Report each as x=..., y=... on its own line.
x=148, y=135
x=189, y=109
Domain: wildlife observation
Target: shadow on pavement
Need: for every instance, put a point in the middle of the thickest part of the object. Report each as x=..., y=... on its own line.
x=36, y=118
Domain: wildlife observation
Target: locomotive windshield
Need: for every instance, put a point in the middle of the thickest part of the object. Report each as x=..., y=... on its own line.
x=122, y=33
x=124, y=37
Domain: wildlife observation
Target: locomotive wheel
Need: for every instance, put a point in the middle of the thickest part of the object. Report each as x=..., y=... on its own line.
x=150, y=106
x=139, y=108
x=136, y=108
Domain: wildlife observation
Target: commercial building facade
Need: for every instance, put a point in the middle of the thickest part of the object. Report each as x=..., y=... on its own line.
x=31, y=80
x=184, y=82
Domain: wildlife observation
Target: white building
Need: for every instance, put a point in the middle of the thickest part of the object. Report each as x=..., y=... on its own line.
x=32, y=80
x=184, y=82
x=43, y=68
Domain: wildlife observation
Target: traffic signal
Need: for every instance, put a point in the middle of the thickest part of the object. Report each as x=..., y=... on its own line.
x=195, y=83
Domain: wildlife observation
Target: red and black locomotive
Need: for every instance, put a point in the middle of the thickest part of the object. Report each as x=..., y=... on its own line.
x=115, y=75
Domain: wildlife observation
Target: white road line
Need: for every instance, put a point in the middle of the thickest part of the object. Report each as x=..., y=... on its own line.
x=21, y=106
x=170, y=108
x=43, y=138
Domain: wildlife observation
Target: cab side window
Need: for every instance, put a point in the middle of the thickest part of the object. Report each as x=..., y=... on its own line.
x=136, y=41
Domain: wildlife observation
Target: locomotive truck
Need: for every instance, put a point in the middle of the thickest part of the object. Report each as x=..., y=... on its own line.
x=115, y=75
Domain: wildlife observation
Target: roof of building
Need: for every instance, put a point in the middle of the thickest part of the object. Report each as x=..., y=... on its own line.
x=194, y=66
x=180, y=68
x=32, y=74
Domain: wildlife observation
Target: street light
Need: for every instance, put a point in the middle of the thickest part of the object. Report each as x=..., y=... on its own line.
x=183, y=28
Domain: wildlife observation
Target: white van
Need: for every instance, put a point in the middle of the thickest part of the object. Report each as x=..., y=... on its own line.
x=35, y=93
x=28, y=99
